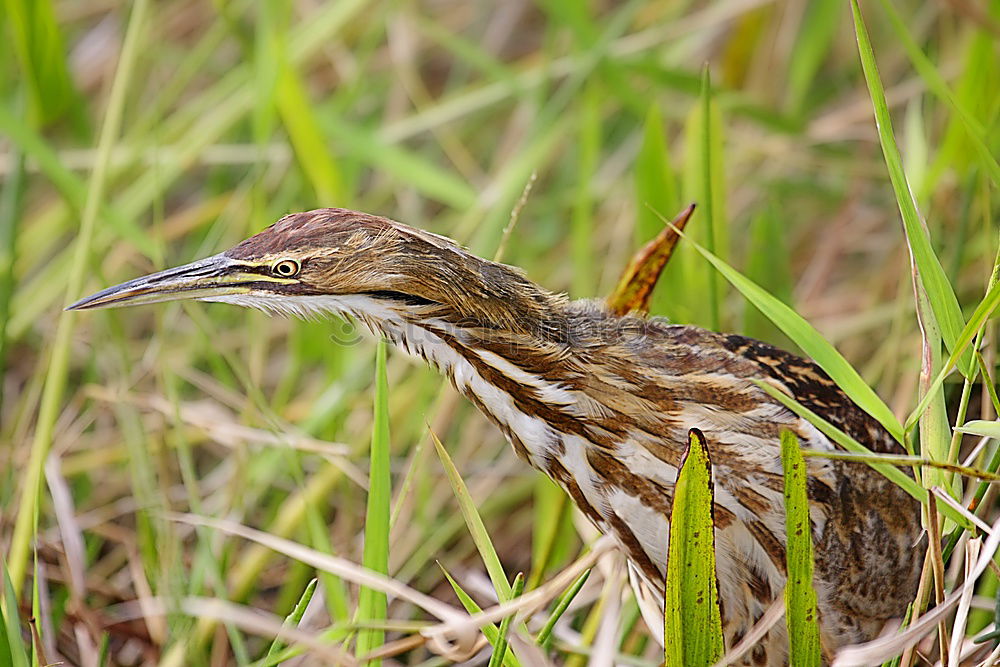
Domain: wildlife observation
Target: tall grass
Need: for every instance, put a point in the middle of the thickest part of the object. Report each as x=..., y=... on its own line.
x=844, y=160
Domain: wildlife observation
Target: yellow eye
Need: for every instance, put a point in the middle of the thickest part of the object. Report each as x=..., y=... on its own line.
x=285, y=268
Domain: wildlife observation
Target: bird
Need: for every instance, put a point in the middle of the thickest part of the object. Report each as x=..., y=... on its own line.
x=602, y=403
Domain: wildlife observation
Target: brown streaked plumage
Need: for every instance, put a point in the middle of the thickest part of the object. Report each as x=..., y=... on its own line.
x=603, y=405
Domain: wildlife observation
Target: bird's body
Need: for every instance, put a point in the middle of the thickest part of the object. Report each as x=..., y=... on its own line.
x=602, y=404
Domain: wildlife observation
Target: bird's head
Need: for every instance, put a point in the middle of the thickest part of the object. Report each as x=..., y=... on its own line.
x=345, y=262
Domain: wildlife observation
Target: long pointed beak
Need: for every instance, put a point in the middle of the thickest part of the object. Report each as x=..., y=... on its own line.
x=210, y=277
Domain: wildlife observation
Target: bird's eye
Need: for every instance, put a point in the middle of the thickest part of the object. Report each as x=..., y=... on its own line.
x=286, y=268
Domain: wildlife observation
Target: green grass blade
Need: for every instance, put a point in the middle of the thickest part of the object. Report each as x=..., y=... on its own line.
x=655, y=181
x=656, y=194
x=545, y=634
x=293, y=619
x=311, y=147
x=55, y=383
x=551, y=519
x=692, y=620
x=409, y=167
x=767, y=264
x=801, y=614
x=812, y=44
x=372, y=604
x=710, y=190
x=939, y=86
x=500, y=648
x=38, y=44
x=981, y=427
x=893, y=474
x=477, y=528
x=934, y=432
x=979, y=317
x=939, y=290
x=811, y=342
x=12, y=651
x=490, y=631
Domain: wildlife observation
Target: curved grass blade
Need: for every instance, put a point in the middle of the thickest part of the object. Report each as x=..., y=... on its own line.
x=294, y=617
x=981, y=427
x=891, y=473
x=801, y=614
x=809, y=341
x=938, y=85
x=979, y=317
x=490, y=631
x=480, y=536
x=500, y=650
x=692, y=629
x=545, y=634
x=942, y=297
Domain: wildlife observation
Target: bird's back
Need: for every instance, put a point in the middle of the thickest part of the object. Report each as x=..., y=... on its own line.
x=642, y=384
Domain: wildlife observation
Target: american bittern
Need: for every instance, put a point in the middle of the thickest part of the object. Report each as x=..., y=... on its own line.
x=602, y=404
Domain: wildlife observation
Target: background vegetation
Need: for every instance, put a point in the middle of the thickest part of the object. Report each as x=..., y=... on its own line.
x=139, y=135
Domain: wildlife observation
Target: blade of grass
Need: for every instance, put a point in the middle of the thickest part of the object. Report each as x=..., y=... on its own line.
x=38, y=44
x=934, y=432
x=709, y=190
x=767, y=264
x=372, y=604
x=11, y=642
x=978, y=319
x=656, y=191
x=692, y=621
x=891, y=473
x=294, y=617
x=987, y=429
x=800, y=597
x=490, y=631
x=545, y=634
x=810, y=341
x=905, y=460
x=942, y=297
x=311, y=147
x=939, y=86
x=500, y=648
x=11, y=199
x=477, y=528
x=655, y=180
x=551, y=517
x=24, y=526
x=812, y=44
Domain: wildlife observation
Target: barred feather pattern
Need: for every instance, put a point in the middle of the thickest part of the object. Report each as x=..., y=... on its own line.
x=603, y=404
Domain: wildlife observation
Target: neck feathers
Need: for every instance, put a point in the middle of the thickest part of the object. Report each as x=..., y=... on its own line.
x=472, y=293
